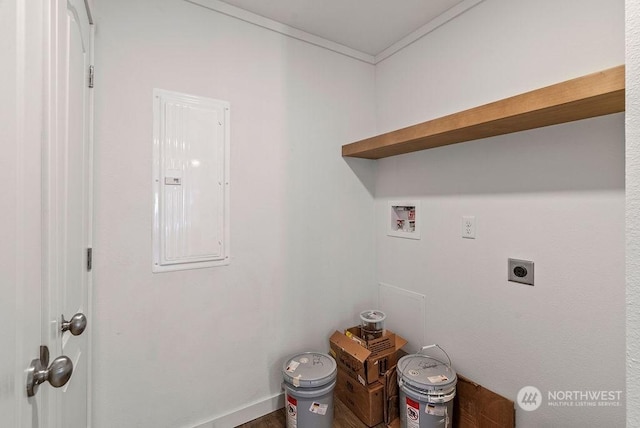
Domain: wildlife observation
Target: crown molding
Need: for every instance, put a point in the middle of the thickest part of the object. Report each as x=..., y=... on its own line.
x=269, y=24
x=427, y=28
x=278, y=27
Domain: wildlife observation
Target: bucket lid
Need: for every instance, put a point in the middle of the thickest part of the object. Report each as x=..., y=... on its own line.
x=426, y=373
x=309, y=369
x=372, y=316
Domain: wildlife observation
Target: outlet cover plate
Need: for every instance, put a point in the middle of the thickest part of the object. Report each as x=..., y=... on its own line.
x=521, y=271
x=469, y=227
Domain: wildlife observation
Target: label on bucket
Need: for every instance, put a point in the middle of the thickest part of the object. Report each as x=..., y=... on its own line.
x=413, y=413
x=438, y=379
x=435, y=410
x=318, y=408
x=292, y=412
x=293, y=365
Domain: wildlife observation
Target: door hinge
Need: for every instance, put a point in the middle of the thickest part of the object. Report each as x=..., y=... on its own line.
x=89, y=258
x=91, y=76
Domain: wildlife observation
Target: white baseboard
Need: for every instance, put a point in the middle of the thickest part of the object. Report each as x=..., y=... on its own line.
x=246, y=414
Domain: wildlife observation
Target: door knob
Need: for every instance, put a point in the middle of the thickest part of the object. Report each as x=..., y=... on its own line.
x=75, y=325
x=57, y=374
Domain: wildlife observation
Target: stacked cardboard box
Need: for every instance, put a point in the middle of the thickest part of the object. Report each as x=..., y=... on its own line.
x=366, y=372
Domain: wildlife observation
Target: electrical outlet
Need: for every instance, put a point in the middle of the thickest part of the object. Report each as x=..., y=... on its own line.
x=469, y=227
x=521, y=271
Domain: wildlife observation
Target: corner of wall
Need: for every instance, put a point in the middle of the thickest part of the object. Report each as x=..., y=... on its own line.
x=633, y=210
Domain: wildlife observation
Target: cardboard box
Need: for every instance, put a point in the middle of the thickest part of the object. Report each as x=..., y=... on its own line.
x=394, y=424
x=353, y=355
x=381, y=344
x=391, y=396
x=366, y=402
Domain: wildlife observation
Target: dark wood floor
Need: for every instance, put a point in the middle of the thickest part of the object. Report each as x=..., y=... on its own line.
x=342, y=418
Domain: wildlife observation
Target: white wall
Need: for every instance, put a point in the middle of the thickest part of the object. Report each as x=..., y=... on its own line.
x=180, y=349
x=633, y=210
x=552, y=195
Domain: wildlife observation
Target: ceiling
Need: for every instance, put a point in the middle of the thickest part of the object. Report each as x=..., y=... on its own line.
x=367, y=26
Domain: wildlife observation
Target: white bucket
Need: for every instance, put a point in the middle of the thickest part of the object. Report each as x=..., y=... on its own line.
x=427, y=388
x=309, y=380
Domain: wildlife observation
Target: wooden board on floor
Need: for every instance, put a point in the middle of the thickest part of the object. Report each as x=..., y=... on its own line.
x=477, y=407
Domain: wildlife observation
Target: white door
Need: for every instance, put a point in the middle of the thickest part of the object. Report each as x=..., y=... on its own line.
x=67, y=207
x=22, y=25
x=45, y=205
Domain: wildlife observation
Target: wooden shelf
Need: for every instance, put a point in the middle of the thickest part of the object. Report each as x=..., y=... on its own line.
x=592, y=95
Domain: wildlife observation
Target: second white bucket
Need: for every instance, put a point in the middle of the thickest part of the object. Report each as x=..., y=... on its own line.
x=427, y=389
x=309, y=380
